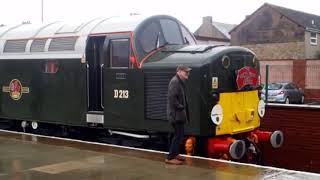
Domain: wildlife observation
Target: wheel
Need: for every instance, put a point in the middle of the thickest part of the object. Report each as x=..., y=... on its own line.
x=287, y=101
x=302, y=100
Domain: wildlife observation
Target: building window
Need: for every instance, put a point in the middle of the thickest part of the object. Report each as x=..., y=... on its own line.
x=313, y=38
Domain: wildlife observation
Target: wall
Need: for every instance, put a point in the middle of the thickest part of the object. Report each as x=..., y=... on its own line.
x=267, y=26
x=301, y=127
x=278, y=70
x=271, y=35
x=313, y=74
x=312, y=88
x=312, y=51
x=290, y=50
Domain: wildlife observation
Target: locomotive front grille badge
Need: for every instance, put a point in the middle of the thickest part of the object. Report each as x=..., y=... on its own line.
x=15, y=89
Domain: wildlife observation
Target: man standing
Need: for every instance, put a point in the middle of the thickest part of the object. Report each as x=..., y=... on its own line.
x=177, y=111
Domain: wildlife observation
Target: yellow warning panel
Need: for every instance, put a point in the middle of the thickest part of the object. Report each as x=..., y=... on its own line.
x=240, y=112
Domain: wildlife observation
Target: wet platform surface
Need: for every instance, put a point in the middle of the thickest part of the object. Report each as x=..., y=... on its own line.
x=27, y=157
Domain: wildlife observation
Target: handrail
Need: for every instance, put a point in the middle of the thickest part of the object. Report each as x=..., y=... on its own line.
x=88, y=86
x=101, y=84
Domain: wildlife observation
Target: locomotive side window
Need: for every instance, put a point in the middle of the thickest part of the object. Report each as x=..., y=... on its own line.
x=51, y=67
x=171, y=31
x=119, y=53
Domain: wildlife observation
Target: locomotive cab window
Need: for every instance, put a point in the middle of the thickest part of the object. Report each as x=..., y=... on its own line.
x=187, y=37
x=151, y=37
x=119, y=53
x=171, y=31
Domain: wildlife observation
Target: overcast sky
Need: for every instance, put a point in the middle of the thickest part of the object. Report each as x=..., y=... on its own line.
x=190, y=12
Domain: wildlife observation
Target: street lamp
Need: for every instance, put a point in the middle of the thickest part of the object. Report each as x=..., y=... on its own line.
x=42, y=11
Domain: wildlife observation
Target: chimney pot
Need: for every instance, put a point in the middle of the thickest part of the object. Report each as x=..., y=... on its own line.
x=207, y=19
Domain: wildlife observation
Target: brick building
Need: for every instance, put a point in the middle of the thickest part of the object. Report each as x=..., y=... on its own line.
x=211, y=32
x=275, y=32
x=288, y=41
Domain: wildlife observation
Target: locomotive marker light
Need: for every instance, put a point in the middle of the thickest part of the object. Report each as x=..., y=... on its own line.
x=217, y=114
x=225, y=62
x=261, y=108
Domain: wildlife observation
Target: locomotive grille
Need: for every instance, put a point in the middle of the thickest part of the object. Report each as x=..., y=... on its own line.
x=14, y=46
x=38, y=45
x=156, y=89
x=63, y=44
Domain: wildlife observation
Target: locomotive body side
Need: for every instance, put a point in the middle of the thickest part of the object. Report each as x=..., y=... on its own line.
x=51, y=97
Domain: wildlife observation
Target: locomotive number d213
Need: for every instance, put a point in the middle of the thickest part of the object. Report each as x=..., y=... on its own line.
x=120, y=94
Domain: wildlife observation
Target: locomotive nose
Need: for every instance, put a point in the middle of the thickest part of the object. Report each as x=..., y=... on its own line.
x=237, y=149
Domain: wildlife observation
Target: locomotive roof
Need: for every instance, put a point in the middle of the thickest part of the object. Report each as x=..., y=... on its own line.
x=193, y=56
x=59, y=39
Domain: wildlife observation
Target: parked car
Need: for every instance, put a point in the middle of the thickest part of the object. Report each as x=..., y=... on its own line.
x=283, y=92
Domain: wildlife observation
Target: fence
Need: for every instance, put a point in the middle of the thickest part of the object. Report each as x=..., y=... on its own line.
x=301, y=128
x=304, y=73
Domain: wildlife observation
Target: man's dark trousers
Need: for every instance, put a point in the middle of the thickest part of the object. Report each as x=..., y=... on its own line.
x=177, y=140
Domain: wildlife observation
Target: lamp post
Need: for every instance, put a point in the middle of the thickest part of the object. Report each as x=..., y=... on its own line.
x=42, y=11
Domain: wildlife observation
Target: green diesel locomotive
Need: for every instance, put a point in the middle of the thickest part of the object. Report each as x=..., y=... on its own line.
x=113, y=74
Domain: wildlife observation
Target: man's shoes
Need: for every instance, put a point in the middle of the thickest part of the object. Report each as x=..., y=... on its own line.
x=173, y=161
x=180, y=158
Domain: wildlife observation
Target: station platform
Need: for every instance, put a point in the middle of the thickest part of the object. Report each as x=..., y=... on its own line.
x=33, y=157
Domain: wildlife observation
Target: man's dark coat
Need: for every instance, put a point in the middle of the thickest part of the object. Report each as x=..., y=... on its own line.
x=177, y=106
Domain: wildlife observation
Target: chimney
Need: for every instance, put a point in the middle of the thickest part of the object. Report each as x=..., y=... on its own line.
x=207, y=20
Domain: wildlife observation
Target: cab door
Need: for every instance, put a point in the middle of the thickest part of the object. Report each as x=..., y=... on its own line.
x=94, y=70
x=123, y=84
